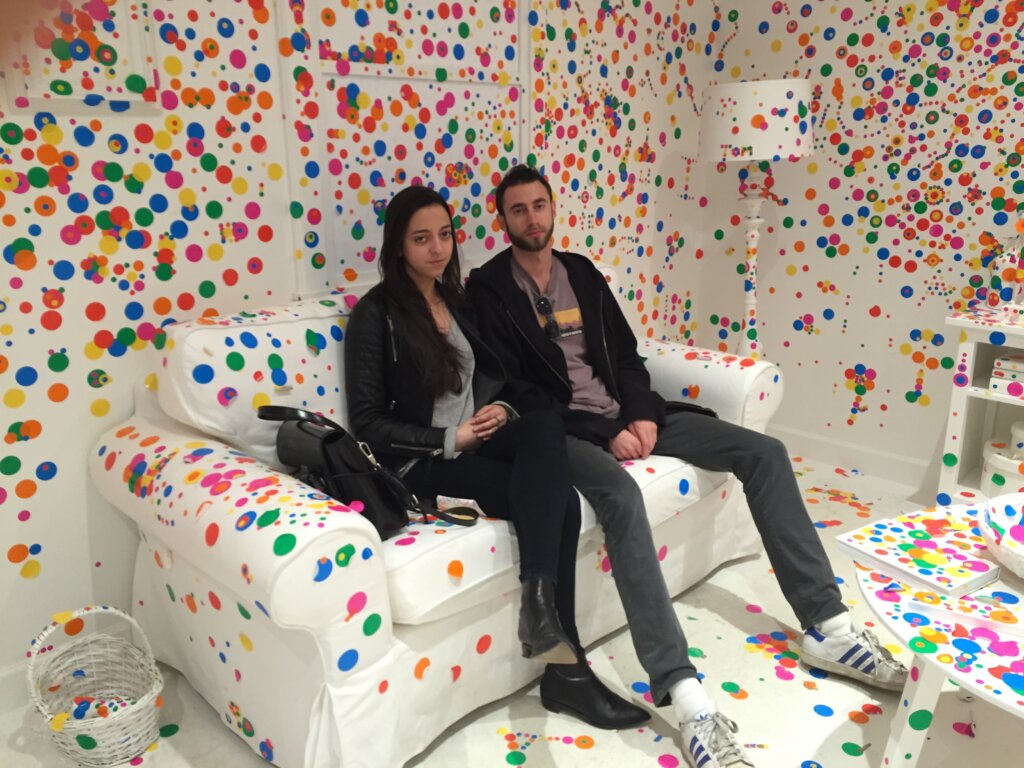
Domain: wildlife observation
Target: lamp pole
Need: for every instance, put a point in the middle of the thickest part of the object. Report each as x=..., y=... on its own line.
x=749, y=343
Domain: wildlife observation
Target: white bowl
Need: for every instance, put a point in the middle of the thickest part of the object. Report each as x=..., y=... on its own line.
x=1002, y=527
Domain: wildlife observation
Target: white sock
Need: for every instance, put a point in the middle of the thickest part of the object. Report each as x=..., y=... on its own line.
x=690, y=700
x=837, y=626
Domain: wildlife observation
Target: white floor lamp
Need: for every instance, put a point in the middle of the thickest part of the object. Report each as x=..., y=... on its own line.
x=753, y=122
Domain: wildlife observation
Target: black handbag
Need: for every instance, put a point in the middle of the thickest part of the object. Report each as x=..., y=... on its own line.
x=328, y=458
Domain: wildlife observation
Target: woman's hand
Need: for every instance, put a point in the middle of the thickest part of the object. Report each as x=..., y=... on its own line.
x=488, y=420
x=465, y=436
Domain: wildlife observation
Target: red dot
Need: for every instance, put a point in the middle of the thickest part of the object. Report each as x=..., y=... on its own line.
x=186, y=301
x=483, y=644
x=95, y=311
x=255, y=266
x=875, y=311
x=230, y=277
x=103, y=339
x=265, y=233
x=51, y=320
x=212, y=532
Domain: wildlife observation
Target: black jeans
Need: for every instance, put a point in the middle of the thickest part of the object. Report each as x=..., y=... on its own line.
x=522, y=475
x=761, y=463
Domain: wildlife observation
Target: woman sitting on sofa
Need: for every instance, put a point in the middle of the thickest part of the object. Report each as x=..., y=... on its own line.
x=422, y=391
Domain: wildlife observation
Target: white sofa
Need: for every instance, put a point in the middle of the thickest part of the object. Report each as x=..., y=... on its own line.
x=319, y=644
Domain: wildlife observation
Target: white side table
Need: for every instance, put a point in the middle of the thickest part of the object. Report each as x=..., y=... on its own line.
x=987, y=662
x=976, y=413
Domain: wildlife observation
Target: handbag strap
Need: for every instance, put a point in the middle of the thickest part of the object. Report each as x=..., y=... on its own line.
x=287, y=413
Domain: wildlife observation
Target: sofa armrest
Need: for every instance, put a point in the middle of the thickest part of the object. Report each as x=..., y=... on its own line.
x=303, y=559
x=741, y=390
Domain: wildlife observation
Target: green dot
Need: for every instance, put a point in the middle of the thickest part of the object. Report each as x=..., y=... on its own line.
x=695, y=653
x=855, y=750
x=372, y=624
x=86, y=742
x=244, y=612
x=515, y=758
x=214, y=209
x=274, y=362
x=998, y=479
x=235, y=361
x=135, y=83
x=10, y=465
x=11, y=133
x=344, y=555
x=730, y=687
x=207, y=288
x=208, y=162
x=58, y=362
x=920, y=720
x=267, y=518
x=168, y=730
x=113, y=172
x=949, y=460
x=284, y=544
x=170, y=593
x=920, y=645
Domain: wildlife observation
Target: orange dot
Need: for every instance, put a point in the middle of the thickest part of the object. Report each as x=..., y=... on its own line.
x=421, y=667
x=17, y=553
x=858, y=717
x=26, y=489
x=455, y=569
x=162, y=305
x=57, y=393
x=73, y=627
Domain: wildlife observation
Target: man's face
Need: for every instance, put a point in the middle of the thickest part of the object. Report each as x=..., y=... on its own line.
x=529, y=218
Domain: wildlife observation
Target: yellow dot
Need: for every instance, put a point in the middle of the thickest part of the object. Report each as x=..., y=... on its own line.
x=14, y=398
x=52, y=134
x=187, y=197
x=239, y=185
x=100, y=407
x=109, y=245
x=791, y=270
x=57, y=724
x=141, y=171
x=62, y=618
x=245, y=641
x=162, y=140
x=275, y=171
x=172, y=65
x=30, y=569
x=363, y=196
x=260, y=398
x=215, y=252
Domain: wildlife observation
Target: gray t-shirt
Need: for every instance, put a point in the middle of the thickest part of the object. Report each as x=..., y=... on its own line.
x=588, y=391
x=453, y=408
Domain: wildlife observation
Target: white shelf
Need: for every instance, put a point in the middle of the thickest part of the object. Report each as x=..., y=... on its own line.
x=984, y=393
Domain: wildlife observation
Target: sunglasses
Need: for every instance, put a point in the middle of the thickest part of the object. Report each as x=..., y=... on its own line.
x=543, y=305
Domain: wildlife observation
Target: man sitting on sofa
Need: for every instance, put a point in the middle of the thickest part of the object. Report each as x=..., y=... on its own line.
x=566, y=345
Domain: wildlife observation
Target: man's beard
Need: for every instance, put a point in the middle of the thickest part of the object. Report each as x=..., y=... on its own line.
x=532, y=243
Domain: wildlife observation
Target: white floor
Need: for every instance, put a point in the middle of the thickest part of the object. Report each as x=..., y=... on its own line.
x=742, y=635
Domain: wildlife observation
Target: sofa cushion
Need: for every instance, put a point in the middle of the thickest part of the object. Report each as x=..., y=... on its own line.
x=216, y=372
x=436, y=570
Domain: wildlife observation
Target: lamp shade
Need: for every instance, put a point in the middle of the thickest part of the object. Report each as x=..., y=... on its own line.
x=756, y=120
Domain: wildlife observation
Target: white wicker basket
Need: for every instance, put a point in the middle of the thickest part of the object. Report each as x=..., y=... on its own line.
x=97, y=693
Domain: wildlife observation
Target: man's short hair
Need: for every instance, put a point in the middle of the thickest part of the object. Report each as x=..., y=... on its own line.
x=517, y=176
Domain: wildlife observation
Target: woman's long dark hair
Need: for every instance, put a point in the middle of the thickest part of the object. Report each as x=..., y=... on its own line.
x=437, y=361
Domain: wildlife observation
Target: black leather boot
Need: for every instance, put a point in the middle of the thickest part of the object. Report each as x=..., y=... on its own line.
x=540, y=631
x=575, y=690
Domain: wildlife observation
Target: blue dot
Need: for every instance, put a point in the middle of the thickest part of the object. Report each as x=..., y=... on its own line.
x=997, y=337
x=203, y=373
x=348, y=660
x=684, y=486
x=63, y=270
x=262, y=72
x=823, y=710
x=26, y=376
x=46, y=471
x=640, y=687
x=943, y=500
x=248, y=340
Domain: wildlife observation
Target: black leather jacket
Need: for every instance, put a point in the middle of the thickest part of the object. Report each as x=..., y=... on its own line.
x=387, y=407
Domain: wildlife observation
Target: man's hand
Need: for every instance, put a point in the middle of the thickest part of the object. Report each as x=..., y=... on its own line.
x=647, y=433
x=488, y=420
x=625, y=446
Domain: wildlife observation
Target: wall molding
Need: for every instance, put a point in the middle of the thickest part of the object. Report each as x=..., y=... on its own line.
x=896, y=472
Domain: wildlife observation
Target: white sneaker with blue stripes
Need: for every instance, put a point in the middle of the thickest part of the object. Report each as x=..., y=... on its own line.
x=708, y=742
x=857, y=655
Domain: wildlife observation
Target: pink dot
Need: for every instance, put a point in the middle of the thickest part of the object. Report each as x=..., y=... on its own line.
x=567, y=740
x=405, y=542
x=357, y=602
x=662, y=552
x=24, y=515
x=668, y=761
x=751, y=608
x=1015, y=388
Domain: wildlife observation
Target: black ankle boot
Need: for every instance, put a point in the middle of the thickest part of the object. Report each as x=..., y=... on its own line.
x=540, y=631
x=575, y=690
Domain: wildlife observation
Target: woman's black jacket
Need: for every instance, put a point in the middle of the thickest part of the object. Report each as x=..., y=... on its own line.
x=387, y=406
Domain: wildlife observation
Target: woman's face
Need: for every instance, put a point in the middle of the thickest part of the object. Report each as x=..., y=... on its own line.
x=428, y=244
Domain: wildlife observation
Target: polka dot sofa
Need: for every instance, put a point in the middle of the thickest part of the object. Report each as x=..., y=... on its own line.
x=318, y=643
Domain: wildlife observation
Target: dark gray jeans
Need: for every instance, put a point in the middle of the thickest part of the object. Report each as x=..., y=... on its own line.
x=790, y=538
